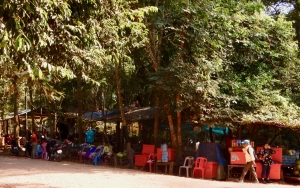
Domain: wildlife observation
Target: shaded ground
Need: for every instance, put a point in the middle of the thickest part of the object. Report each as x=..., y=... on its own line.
x=27, y=173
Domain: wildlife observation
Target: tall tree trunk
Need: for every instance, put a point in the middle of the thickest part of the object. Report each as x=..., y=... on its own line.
x=171, y=124
x=54, y=126
x=118, y=133
x=3, y=127
x=154, y=49
x=16, y=107
x=26, y=117
x=50, y=117
x=179, y=126
x=120, y=102
x=31, y=105
x=79, y=99
x=156, y=120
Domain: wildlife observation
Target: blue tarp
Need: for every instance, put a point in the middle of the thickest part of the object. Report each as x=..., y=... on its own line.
x=92, y=115
x=211, y=151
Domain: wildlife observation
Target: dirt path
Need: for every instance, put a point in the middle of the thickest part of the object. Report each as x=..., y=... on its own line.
x=30, y=173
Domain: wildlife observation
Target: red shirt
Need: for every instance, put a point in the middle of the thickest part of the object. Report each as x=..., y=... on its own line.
x=34, y=139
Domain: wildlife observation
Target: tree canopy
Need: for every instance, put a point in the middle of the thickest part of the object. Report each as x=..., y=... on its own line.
x=212, y=62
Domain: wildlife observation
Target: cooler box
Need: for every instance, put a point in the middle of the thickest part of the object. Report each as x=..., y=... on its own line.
x=237, y=149
x=276, y=157
x=210, y=171
x=141, y=159
x=147, y=149
x=171, y=154
x=274, y=172
x=237, y=157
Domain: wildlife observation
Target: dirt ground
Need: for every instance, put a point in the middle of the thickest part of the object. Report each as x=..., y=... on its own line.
x=28, y=173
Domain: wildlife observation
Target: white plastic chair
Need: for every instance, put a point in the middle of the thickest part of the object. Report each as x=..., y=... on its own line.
x=187, y=165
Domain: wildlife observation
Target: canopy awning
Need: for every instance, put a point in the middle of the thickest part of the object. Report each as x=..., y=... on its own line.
x=92, y=116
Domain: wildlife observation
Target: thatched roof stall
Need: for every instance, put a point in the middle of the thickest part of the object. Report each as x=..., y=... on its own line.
x=276, y=133
x=271, y=124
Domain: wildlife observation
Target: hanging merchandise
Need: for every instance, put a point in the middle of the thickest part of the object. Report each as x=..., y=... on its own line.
x=89, y=136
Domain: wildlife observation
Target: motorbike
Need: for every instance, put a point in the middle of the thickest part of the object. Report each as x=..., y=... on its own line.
x=15, y=149
x=54, y=150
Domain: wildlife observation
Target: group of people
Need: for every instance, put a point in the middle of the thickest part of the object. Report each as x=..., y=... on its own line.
x=37, y=141
x=264, y=156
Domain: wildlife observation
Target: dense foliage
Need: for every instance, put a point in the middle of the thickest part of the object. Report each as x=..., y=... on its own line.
x=213, y=62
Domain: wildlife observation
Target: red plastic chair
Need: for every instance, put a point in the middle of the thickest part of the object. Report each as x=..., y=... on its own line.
x=199, y=166
x=151, y=161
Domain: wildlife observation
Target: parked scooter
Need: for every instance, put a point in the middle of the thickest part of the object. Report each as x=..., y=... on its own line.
x=15, y=149
x=54, y=150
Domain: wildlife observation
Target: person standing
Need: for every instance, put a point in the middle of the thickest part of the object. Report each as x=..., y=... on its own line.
x=34, y=142
x=266, y=162
x=250, y=162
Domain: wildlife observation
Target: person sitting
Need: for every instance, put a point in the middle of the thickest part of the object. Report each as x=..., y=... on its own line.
x=38, y=151
x=107, y=152
x=67, y=142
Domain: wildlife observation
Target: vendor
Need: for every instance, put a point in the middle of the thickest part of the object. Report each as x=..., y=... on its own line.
x=107, y=152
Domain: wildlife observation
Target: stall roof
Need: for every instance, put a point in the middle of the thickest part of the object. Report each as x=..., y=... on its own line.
x=38, y=114
x=92, y=116
x=271, y=124
x=131, y=114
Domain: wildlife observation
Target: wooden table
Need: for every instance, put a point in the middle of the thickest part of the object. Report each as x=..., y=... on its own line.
x=167, y=165
x=231, y=167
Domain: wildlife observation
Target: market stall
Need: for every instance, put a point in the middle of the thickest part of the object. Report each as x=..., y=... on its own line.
x=275, y=168
x=216, y=162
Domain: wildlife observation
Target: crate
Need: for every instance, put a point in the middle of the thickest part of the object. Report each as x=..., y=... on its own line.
x=148, y=149
x=274, y=172
x=210, y=171
x=140, y=160
x=284, y=157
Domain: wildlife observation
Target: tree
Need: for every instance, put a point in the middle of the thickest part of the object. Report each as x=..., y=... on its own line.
x=25, y=32
x=229, y=48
